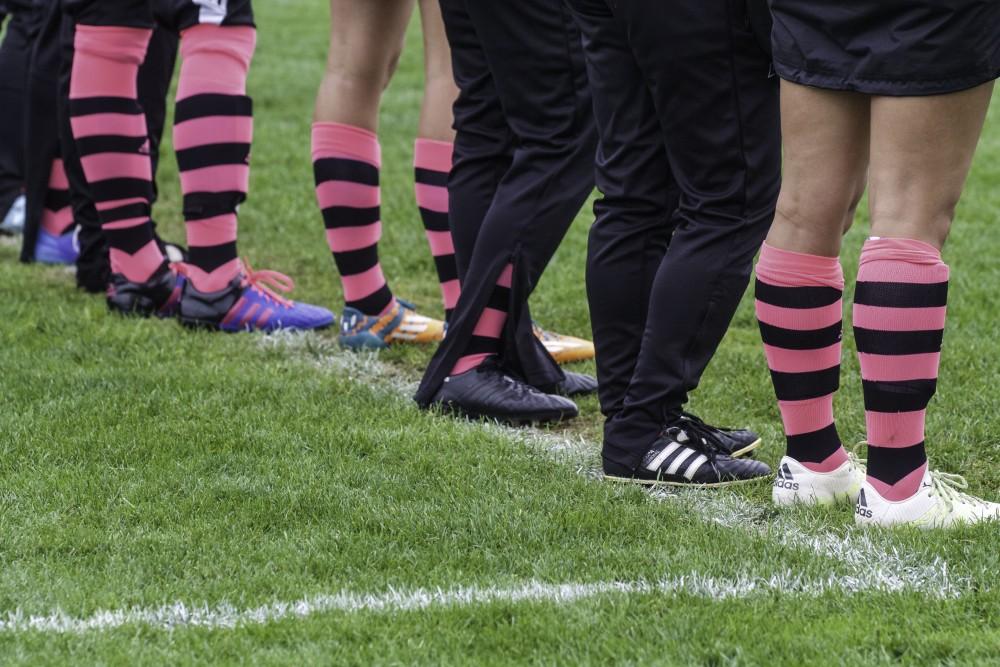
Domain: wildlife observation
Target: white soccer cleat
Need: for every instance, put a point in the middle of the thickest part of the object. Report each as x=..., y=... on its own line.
x=939, y=503
x=796, y=484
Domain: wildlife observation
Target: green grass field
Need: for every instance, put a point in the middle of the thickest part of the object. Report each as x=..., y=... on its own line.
x=176, y=497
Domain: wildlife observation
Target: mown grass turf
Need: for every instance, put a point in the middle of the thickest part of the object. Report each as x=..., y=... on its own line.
x=141, y=463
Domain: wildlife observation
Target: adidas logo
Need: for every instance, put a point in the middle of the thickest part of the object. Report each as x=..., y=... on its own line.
x=785, y=479
x=862, y=509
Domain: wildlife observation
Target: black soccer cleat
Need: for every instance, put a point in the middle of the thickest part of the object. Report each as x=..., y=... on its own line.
x=577, y=384
x=734, y=442
x=487, y=392
x=679, y=459
x=157, y=296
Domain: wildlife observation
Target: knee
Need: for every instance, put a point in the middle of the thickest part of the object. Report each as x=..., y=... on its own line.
x=909, y=216
x=852, y=208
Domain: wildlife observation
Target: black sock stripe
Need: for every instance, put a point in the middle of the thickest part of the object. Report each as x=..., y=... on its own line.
x=56, y=200
x=901, y=295
x=814, y=446
x=335, y=217
x=430, y=177
x=899, y=395
x=891, y=464
x=110, y=143
x=873, y=341
x=792, y=339
x=122, y=188
x=802, y=386
x=213, y=155
x=353, y=262
x=482, y=345
x=374, y=303
x=201, y=205
x=212, y=104
x=126, y=212
x=446, y=267
x=209, y=258
x=345, y=169
x=796, y=297
x=87, y=106
x=129, y=239
x=435, y=221
x=499, y=299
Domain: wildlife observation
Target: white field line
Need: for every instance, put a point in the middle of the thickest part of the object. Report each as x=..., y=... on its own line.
x=870, y=565
x=180, y=615
x=882, y=565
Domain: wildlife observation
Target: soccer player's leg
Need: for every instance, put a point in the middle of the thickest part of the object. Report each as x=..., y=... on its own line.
x=922, y=149
x=365, y=42
x=56, y=242
x=800, y=284
x=213, y=130
x=110, y=134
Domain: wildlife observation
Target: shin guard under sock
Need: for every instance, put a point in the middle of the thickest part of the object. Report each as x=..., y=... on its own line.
x=899, y=316
x=799, y=303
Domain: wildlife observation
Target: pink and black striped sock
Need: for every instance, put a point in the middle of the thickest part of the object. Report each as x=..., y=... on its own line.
x=799, y=302
x=213, y=130
x=431, y=166
x=57, y=215
x=485, y=340
x=346, y=162
x=899, y=315
x=109, y=128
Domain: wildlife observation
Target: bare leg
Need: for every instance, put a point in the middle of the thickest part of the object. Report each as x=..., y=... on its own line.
x=922, y=148
x=825, y=136
x=440, y=90
x=366, y=39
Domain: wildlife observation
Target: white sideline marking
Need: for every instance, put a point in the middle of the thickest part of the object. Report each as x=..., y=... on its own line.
x=181, y=615
x=885, y=566
x=870, y=564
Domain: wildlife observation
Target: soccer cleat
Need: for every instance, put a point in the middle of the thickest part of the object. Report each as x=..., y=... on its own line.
x=402, y=324
x=564, y=349
x=13, y=219
x=158, y=296
x=250, y=303
x=62, y=249
x=678, y=458
x=797, y=484
x=577, y=384
x=487, y=392
x=940, y=502
x=734, y=442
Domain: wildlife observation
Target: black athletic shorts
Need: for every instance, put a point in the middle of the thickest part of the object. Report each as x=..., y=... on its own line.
x=887, y=47
x=173, y=14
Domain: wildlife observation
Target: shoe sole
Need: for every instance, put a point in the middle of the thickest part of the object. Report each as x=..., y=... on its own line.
x=547, y=418
x=687, y=485
x=193, y=323
x=746, y=450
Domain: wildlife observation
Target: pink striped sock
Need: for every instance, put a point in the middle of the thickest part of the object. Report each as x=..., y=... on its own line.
x=57, y=216
x=799, y=303
x=899, y=315
x=346, y=162
x=485, y=340
x=109, y=129
x=213, y=130
x=431, y=166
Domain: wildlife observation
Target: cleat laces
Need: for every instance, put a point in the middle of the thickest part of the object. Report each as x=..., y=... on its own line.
x=266, y=282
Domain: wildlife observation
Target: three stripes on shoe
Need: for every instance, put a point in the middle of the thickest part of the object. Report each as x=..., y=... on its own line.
x=678, y=459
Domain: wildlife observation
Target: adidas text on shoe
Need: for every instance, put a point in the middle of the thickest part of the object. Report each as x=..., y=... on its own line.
x=676, y=459
x=797, y=484
x=940, y=502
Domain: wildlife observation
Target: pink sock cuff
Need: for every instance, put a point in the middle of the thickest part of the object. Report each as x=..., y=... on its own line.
x=337, y=139
x=901, y=260
x=124, y=45
x=786, y=268
x=432, y=154
x=215, y=59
